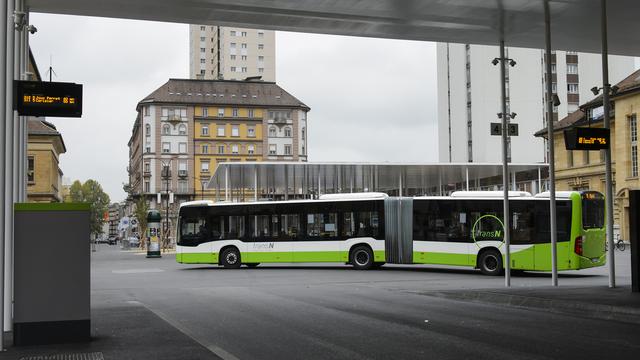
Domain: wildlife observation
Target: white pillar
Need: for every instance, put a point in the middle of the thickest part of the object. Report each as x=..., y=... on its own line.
x=467, y=176
x=3, y=215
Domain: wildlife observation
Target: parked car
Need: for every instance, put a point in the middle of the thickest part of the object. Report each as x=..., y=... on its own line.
x=134, y=241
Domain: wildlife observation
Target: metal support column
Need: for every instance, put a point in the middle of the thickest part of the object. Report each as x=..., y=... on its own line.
x=255, y=183
x=400, y=185
x=3, y=110
x=540, y=181
x=505, y=170
x=226, y=183
x=467, y=176
x=607, y=158
x=514, y=186
x=550, y=142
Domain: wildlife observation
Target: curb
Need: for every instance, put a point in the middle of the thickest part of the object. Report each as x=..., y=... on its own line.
x=582, y=309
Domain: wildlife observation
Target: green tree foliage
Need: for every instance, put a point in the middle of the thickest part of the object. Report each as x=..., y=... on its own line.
x=91, y=192
x=141, y=215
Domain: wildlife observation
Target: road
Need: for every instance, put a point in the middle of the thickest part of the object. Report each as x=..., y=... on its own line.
x=332, y=312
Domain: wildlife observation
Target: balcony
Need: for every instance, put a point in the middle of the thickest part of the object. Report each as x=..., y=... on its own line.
x=182, y=173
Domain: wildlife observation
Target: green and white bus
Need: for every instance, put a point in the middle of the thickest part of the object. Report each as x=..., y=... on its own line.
x=368, y=230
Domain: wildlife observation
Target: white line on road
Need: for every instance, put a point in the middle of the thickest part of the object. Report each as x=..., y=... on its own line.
x=136, y=271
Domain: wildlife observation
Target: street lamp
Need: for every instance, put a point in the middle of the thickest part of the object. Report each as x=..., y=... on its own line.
x=166, y=175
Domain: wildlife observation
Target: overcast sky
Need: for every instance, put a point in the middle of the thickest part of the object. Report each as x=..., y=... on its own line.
x=371, y=99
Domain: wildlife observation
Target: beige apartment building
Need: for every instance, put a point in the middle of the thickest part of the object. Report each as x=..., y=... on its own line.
x=229, y=53
x=186, y=127
x=585, y=170
x=44, y=147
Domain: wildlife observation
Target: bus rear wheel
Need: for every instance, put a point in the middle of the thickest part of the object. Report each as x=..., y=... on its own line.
x=362, y=258
x=490, y=263
x=230, y=258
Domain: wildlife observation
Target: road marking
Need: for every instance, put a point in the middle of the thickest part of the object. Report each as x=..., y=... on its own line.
x=136, y=271
x=216, y=350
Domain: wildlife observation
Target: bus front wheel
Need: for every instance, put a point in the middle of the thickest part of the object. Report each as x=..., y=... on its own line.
x=490, y=263
x=362, y=258
x=231, y=258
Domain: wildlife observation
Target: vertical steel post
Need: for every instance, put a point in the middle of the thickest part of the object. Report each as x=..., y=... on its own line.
x=505, y=170
x=551, y=150
x=467, y=176
x=8, y=168
x=226, y=183
x=255, y=182
x=607, y=158
x=3, y=234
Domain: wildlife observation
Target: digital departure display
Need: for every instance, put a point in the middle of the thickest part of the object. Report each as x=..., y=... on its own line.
x=55, y=99
x=586, y=138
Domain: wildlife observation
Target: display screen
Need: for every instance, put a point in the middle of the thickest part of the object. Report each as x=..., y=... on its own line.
x=586, y=138
x=55, y=99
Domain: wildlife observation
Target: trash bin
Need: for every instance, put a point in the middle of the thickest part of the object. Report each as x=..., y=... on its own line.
x=125, y=244
x=153, y=234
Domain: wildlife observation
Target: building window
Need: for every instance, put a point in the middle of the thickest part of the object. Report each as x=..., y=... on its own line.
x=553, y=68
x=232, y=45
x=235, y=130
x=234, y=149
x=569, y=158
x=182, y=186
x=220, y=112
x=147, y=167
x=147, y=149
x=287, y=132
x=166, y=130
x=251, y=131
x=272, y=131
x=302, y=149
x=585, y=157
x=287, y=149
x=146, y=110
x=244, y=69
x=554, y=88
x=205, y=112
x=273, y=149
x=260, y=58
x=204, y=130
x=260, y=46
x=234, y=112
x=572, y=88
x=202, y=28
x=233, y=57
x=243, y=45
x=260, y=33
x=243, y=57
x=633, y=132
x=147, y=186
x=202, y=50
x=220, y=149
x=572, y=68
x=260, y=70
x=302, y=134
x=31, y=178
x=250, y=113
x=233, y=69
x=220, y=130
x=205, y=149
x=166, y=147
x=147, y=130
x=243, y=34
x=250, y=149
x=202, y=61
x=182, y=148
x=204, y=166
x=182, y=129
x=232, y=33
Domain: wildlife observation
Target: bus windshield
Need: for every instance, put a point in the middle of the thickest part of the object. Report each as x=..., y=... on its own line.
x=592, y=210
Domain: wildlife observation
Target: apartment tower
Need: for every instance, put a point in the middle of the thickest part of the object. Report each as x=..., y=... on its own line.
x=229, y=53
x=469, y=97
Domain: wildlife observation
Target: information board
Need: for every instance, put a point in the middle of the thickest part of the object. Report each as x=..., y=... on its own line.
x=54, y=99
x=582, y=138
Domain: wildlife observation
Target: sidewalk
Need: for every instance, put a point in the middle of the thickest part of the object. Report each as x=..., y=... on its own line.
x=599, y=302
x=120, y=332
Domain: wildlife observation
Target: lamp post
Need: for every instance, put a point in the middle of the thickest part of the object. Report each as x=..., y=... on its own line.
x=166, y=174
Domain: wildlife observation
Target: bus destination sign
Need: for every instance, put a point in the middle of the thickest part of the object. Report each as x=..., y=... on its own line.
x=581, y=138
x=54, y=99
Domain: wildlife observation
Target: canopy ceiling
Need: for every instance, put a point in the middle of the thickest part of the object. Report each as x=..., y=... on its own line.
x=575, y=23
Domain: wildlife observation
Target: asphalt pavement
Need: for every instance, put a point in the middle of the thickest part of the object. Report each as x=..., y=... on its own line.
x=329, y=311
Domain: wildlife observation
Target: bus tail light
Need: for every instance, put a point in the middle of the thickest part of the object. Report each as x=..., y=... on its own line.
x=578, y=245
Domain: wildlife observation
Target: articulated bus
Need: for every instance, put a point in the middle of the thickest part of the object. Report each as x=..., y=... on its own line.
x=368, y=230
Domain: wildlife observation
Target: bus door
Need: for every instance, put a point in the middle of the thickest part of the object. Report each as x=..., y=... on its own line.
x=523, y=215
x=320, y=241
x=268, y=242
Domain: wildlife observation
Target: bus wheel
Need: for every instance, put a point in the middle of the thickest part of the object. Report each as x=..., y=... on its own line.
x=252, y=265
x=490, y=263
x=362, y=258
x=231, y=258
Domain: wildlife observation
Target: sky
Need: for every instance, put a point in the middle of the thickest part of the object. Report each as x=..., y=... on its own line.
x=371, y=100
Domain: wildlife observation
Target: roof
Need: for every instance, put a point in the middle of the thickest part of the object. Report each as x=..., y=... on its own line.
x=44, y=128
x=223, y=92
x=627, y=86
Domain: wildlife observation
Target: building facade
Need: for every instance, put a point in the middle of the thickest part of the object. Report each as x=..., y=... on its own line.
x=585, y=170
x=469, y=97
x=186, y=127
x=44, y=147
x=229, y=53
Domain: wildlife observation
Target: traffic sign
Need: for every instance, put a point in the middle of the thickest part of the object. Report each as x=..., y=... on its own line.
x=496, y=129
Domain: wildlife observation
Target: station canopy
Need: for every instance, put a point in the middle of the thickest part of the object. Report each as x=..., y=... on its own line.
x=575, y=23
x=286, y=180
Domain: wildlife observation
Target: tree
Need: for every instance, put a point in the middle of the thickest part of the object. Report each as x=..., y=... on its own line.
x=91, y=192
x=141, y=215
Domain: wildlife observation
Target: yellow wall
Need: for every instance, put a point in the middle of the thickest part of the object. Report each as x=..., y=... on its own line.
x=213, y=130
x=212, y=112
x=46, y=186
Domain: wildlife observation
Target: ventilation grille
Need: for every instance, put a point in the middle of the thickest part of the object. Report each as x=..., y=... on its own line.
x=77, y=356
